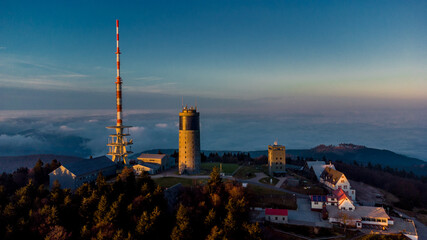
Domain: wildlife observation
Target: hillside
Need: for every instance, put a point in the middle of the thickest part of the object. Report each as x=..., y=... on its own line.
x=361, y=154
x=9, y=164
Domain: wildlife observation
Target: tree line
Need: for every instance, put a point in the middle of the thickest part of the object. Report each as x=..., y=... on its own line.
x=125, y=208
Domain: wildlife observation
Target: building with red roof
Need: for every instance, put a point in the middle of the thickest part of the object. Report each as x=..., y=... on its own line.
x=344, y=202
x=276, y=215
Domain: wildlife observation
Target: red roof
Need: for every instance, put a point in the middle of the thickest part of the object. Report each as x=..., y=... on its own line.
x=340, y=194
x=276, y=212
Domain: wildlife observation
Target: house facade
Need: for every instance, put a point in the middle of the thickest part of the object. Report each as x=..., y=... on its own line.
x=276, y=215
x=164, y=161
x=334, y=180
x=151, y=168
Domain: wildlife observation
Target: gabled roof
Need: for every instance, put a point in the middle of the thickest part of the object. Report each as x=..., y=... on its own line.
x=372, y=212
x=153, y=156
x=276, y=212
x=331, y=175
x=318, y=167
x=341, y=196
x=312, y=163
x=86, y=166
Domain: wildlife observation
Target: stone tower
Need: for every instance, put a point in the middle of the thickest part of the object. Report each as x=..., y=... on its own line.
x=189, y=141
x=276, y=159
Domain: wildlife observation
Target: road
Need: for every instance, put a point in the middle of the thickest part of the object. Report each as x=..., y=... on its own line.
x=421, y=228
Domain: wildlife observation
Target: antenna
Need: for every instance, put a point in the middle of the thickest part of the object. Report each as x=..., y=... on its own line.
x=119, y=80
x=195, y=106
x=182, y=102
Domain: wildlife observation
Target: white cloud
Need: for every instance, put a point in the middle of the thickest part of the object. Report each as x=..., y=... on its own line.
x=149, y=78
x=162, y=125
x=137, y=130
x=65, y=128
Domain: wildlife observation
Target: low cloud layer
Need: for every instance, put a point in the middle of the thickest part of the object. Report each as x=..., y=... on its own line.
x=84, y=133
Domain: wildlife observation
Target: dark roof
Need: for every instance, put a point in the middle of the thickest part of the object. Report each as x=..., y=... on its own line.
x=155, y=156
x=277, y=212
x=86, y=166
x=331, y=175
x=318, y=198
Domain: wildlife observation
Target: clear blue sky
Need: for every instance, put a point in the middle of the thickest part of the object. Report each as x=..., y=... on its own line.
x=245, y=54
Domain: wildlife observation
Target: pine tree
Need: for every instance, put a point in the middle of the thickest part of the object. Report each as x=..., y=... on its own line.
x=182, y=229
x=253, y=231
x=215, y=181
x=101, y=211
x=215, y=234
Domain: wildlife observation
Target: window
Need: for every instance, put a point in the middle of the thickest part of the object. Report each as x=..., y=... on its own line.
x=342, y=181
x=350, y=208
x=276, y=218
x=283, y=218
x=345, y=186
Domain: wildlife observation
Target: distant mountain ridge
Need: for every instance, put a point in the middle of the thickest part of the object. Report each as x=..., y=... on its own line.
x=9, y=164
x=345, y=152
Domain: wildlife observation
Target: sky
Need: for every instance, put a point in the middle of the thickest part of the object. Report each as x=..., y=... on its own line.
x=355, y=65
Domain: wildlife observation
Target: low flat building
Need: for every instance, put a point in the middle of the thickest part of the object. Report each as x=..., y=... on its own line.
x=317, y=202
x=164, y=161
x=151, y=168
x=362, y=215
x=73, y=175
x=276, y=215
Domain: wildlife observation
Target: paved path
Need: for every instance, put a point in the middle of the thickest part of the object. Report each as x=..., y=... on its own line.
x=304, y=216
x=299, y=195
x=255, y=180
x=281, y=181
x=421, y=228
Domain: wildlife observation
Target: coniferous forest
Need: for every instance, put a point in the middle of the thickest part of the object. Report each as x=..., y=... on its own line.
x=126, y=207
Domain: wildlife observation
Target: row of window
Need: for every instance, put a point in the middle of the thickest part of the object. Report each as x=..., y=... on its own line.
x=276, y=218
x=373, y=219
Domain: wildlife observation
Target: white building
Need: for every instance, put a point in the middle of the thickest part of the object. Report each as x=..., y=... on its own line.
x=276, y=215
x=335, y=179
x=151, y=168
x=164, y=161
x=73, y=175
x=343, y=201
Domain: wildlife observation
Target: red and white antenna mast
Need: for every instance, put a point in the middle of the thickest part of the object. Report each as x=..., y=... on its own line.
x=119, y=80
x=118, y=142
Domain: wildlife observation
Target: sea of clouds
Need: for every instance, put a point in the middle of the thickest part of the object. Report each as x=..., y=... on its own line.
x=84, y=133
